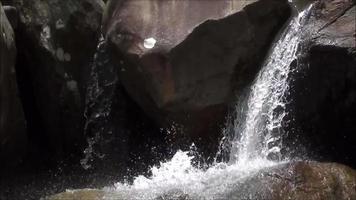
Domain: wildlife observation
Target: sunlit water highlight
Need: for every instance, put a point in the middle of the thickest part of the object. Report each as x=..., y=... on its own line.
x=256, y=141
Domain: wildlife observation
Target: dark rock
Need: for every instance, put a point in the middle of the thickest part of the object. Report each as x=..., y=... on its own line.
x=12, y=15
x=183, y=73
x=323, y=87
x=13, y=139
x=56, y=42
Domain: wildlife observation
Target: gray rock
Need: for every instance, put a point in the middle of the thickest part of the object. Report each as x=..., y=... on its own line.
x=12, y=15
x=323, y=88
x=13, y=139
x=184, y=71
x=298, y=181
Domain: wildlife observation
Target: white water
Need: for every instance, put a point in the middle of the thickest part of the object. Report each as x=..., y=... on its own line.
x=260, y=115
x=257, y=136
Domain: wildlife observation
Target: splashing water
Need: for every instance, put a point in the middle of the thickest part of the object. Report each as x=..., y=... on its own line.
x=261, y=114
x=256, y=142
x=180, y=177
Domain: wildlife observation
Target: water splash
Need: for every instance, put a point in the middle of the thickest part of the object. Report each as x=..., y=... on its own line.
x=180, y=177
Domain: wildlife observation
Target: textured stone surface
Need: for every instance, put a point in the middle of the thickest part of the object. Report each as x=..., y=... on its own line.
x=79, y=195
x=56, y=42
x=323, y=87
x=13, y=139
x=168, y=21
x=299, y=181
x=187, y=79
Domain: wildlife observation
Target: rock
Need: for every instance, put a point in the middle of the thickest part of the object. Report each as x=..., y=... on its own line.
x=295, y=180
x=301, y=4
x=334, y=21
x=299, y=181
x=86, y=194
x=323, y=87
x=183, y=73
x=13, y=139
x=174, y=194
x=12, y=15
x=56, y=42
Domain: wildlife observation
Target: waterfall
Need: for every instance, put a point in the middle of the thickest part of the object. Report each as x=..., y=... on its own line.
x=256, y=141
x=258, y=123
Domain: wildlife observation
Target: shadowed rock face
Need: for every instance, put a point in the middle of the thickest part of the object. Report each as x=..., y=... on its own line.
x=323, y=89
x=296, y=180
x=183, y=65
x=56, y=42
x=12, y=123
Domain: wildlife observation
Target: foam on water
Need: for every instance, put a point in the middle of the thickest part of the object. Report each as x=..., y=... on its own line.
x=257, y=131
x=180, y=175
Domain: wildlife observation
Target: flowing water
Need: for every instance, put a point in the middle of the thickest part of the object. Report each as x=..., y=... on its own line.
x=256, y=141
x=258, y=124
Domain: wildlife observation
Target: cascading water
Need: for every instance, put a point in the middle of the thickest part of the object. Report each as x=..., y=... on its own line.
x=258, y=124
x=257, y=136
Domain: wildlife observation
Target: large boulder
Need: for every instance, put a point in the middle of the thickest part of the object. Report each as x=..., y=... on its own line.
x=183, y=71
x=295, y=180
x=323, y=87
x=56, y=42
x=298, y=181
x=13, y=139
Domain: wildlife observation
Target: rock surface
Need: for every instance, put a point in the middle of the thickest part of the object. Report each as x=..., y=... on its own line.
x=56, y=42
x=296, y=180
x=12, y=121
x=299, y=181
x=323, y=89
x=183, y=73
x=79, y=195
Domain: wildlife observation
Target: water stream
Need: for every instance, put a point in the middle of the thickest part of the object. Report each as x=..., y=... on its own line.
x=256, y=141
x=258, y=123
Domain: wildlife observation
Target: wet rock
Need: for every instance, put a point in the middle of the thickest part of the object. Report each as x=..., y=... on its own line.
x=56, y=42
x=174, y=194
x=184, y=72
x=323, y=87
x=13, y=139
x=299, y=180
x=123, y=138
x=79, y=195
